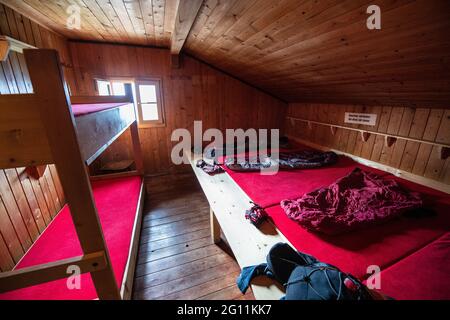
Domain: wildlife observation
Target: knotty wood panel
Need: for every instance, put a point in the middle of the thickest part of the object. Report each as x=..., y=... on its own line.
x=196, y=91
x=420, y=123
x=14, y=76
x=322, y=51
x=308, y=51
x=145, y=22
x=27, y=206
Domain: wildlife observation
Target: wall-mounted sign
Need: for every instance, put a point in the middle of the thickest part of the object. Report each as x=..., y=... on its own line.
x=368, y=119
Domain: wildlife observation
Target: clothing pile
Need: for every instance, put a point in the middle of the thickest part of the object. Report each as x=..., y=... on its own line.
x=305, y=278
x=256, y=214
x=355, y=201
x=209, y=168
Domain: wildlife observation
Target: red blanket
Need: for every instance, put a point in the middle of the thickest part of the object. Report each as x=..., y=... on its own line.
x=355, y=201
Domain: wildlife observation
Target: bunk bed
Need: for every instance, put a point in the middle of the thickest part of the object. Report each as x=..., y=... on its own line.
x=392, y=246
x=96, y=234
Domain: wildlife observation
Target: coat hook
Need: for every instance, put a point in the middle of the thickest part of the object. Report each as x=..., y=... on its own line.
x=365, y=136
x=333, y=130
x=389, y=141
x=444, y=152
x=292, y=121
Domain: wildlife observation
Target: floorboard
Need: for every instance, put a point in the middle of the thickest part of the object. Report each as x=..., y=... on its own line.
x=176, y=258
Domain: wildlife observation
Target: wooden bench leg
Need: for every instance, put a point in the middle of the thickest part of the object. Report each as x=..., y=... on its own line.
x=215, y=227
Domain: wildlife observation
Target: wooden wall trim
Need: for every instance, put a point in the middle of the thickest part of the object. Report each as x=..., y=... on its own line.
x=396, y=172
x=362, y=131
x=408, y=155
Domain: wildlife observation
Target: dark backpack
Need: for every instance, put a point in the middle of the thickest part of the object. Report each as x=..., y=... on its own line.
x=304, y=277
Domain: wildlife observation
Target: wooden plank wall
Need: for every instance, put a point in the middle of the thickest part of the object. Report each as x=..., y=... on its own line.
x=196, y=91
x=27, y=205
x=419, y=123
x=14, y=76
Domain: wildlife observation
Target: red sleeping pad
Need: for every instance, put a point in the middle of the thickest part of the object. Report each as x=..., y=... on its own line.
x=353, y=252
x=116, y=201
x=268, y=190
x=381, y=245
x=423, y=275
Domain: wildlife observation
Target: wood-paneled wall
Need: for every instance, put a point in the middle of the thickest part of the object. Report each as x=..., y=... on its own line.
x=420, y=123
x=14, y=76
x=27, y=205
x=196, y=91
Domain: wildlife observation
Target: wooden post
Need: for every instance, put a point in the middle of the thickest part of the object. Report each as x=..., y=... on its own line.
x=54, y=106
x=138, y=159
x=215, y=227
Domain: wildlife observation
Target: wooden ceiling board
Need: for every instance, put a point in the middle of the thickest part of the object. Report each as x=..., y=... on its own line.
x=298, y=50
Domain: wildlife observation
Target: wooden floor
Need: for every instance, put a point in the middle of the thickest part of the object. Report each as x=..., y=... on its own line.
x=177, y=259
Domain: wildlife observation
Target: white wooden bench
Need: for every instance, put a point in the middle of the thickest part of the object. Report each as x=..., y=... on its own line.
x=249, y=244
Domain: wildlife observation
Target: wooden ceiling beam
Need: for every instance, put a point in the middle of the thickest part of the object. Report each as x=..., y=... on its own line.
x=186, y=14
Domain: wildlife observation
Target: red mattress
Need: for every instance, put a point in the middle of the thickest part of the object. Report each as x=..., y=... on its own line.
x=116, y=201
x=423, y=275
x=82, y=109
x=381, y=245
x=268, y=190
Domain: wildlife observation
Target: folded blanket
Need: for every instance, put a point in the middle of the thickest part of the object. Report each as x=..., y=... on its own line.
x=355, y=201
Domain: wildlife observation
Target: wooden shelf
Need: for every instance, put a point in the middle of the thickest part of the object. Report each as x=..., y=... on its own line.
x=390, y=138
x=8, y=44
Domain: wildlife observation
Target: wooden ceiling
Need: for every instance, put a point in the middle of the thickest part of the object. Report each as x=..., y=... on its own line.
x=298, y=50
x=142, y=22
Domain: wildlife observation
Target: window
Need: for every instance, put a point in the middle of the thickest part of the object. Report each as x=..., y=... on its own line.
x=147, y=97
x=149, y=102
x=111, y=87
x=103, y=88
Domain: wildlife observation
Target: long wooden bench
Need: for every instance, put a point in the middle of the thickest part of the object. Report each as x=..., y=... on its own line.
x=249, y=245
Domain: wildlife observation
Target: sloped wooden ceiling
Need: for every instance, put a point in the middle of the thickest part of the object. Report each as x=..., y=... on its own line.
x=298, y=50
x=322, y=50
x=142, y=22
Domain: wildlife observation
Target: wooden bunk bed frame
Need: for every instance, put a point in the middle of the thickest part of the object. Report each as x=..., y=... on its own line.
x=40, y=128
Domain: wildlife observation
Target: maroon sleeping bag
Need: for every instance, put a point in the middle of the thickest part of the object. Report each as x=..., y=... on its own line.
x=355, y=201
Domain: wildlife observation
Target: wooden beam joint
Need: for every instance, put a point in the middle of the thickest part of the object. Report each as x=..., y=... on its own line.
x=35, y=172
x=184, y=19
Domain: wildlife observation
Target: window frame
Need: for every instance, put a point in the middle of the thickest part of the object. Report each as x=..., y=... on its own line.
x=157, y=82
x=161, y=122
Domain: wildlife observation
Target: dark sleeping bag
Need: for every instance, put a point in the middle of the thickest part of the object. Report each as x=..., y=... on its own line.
x=355, y=201
x=305, y=159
